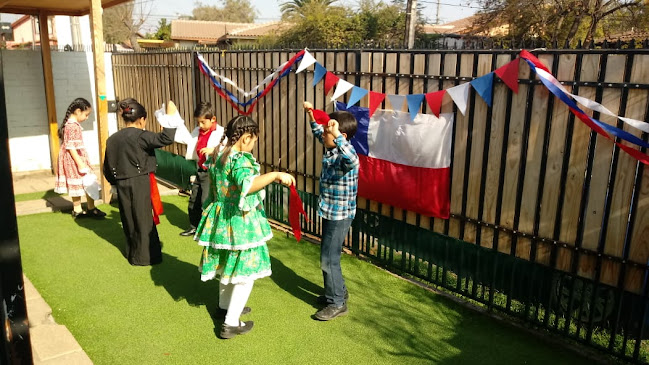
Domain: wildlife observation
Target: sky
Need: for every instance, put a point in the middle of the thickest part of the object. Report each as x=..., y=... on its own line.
x=268, y=10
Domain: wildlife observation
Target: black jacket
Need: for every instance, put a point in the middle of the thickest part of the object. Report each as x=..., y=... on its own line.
x=131, y=152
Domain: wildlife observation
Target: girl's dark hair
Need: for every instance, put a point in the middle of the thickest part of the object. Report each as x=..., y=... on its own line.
x=131, y=110
x=204, y=110
x=236, y=128
x=78, y=103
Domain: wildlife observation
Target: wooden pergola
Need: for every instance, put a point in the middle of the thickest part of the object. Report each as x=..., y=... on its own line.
x=43, y=9
x=15, y=344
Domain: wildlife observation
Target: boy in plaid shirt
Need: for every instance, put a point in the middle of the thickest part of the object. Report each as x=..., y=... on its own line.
x=337, y=203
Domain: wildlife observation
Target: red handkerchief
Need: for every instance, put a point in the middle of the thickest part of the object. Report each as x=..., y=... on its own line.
x=295, y=208
x=321, y=117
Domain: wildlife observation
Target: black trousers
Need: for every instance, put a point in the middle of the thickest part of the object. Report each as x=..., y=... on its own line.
x=200, y=190
x=142, y=242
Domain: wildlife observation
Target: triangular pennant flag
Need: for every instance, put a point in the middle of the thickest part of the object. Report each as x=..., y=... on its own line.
x=434, y=100
x=295, y=208
x=375, y=100
x=342, y=87
x=330, y=81
x=319, y=73
x=357, y=94
x=397, y=101
x=307, y=61
x=509, y=74
x=460, y=95
x=414, y=104
x=532, y=58
x=483, y=85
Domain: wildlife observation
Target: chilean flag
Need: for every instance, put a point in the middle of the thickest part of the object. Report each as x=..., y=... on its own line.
x=403, y=162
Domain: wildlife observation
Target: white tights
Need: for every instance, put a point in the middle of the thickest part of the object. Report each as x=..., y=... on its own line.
x=233, y=298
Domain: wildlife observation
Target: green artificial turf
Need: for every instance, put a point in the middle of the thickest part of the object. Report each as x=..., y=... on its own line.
x=121, y=314
x=35, y=196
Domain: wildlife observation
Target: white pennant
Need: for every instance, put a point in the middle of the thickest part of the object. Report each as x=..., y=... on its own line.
x=397, y=101
x=307, y=60
x=460, y=96
x=342, y=87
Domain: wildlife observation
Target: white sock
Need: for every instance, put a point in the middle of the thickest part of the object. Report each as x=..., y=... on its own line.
x=240, y=295
x=225, y=293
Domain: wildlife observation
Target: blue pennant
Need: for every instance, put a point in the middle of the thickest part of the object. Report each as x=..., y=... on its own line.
x=414, y=103
x=357, y=94
x=484, y=87
x=319, y=73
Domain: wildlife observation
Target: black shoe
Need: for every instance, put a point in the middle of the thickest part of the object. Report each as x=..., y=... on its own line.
x=222, y=312
x=231, y=331
x=330, y=312
x=323, y=300
x=189, y=232
x=96, y=213
x=79, y=215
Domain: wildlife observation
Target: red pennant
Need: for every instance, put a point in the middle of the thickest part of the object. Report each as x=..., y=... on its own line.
x=330, y=81
x=532, y=58
x=434, y=100
x=375, y=100
x=320, y=116
x=295, y=209
x=509, y=74
x=156, y=203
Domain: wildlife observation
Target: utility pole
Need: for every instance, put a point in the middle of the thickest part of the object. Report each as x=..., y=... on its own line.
x=411, y=22
x=437, y=16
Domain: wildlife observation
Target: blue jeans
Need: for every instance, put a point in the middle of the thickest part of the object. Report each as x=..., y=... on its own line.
x=333, y=236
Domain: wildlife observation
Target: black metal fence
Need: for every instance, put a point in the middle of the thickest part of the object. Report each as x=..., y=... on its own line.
x=548, y=219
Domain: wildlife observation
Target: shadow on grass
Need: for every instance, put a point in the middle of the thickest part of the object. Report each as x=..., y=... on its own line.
x=176, y=216
x=109, y=228
x=293, y=283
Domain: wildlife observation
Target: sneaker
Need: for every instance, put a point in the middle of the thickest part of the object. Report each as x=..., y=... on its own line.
x=231, y=331
x=189, y=232
x=330, y=312
x=222, y=312
x=96, y=213
x=323, y=300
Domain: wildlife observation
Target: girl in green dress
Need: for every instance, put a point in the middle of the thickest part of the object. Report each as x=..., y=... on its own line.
x=233, y=229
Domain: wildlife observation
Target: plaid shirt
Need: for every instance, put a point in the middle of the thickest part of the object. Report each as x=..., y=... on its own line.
x=339, y=178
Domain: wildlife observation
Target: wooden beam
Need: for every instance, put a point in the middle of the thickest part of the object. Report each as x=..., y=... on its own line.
x=50, y=99
x=100, y=90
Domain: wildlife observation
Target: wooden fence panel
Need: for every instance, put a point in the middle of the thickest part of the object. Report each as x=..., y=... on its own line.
x=523, y=165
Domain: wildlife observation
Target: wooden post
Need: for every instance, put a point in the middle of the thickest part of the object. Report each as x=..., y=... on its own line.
x=50, y=100
x=100, y=90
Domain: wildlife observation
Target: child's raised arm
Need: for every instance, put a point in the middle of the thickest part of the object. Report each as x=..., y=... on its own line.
x=315, y=127
x=261, y=181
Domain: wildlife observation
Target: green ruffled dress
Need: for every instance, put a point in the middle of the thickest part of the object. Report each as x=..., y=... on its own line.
x=233, y=229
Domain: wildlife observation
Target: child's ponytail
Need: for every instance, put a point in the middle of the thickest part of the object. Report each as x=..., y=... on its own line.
x=78, y=103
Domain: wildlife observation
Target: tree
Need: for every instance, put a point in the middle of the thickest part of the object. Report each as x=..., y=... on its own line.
x=563, y=21
x=296, y=8
x=164, y=30
x=120, y=25
x=240, y=11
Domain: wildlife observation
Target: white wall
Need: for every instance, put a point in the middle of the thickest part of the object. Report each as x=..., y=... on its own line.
x=26, y=108
x=64, y=29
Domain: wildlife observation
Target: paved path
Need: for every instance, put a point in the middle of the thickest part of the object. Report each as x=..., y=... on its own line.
x=52, y=343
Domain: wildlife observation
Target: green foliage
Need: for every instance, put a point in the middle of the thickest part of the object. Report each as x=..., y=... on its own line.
x=562, y=21
x=164, y=30
x=114, y=18
x=297, y=8
x=240, y=11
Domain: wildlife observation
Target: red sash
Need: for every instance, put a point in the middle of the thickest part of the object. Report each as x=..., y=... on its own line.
x=156, y=203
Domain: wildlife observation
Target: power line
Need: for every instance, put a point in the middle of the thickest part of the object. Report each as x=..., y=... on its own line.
x=455, y=5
